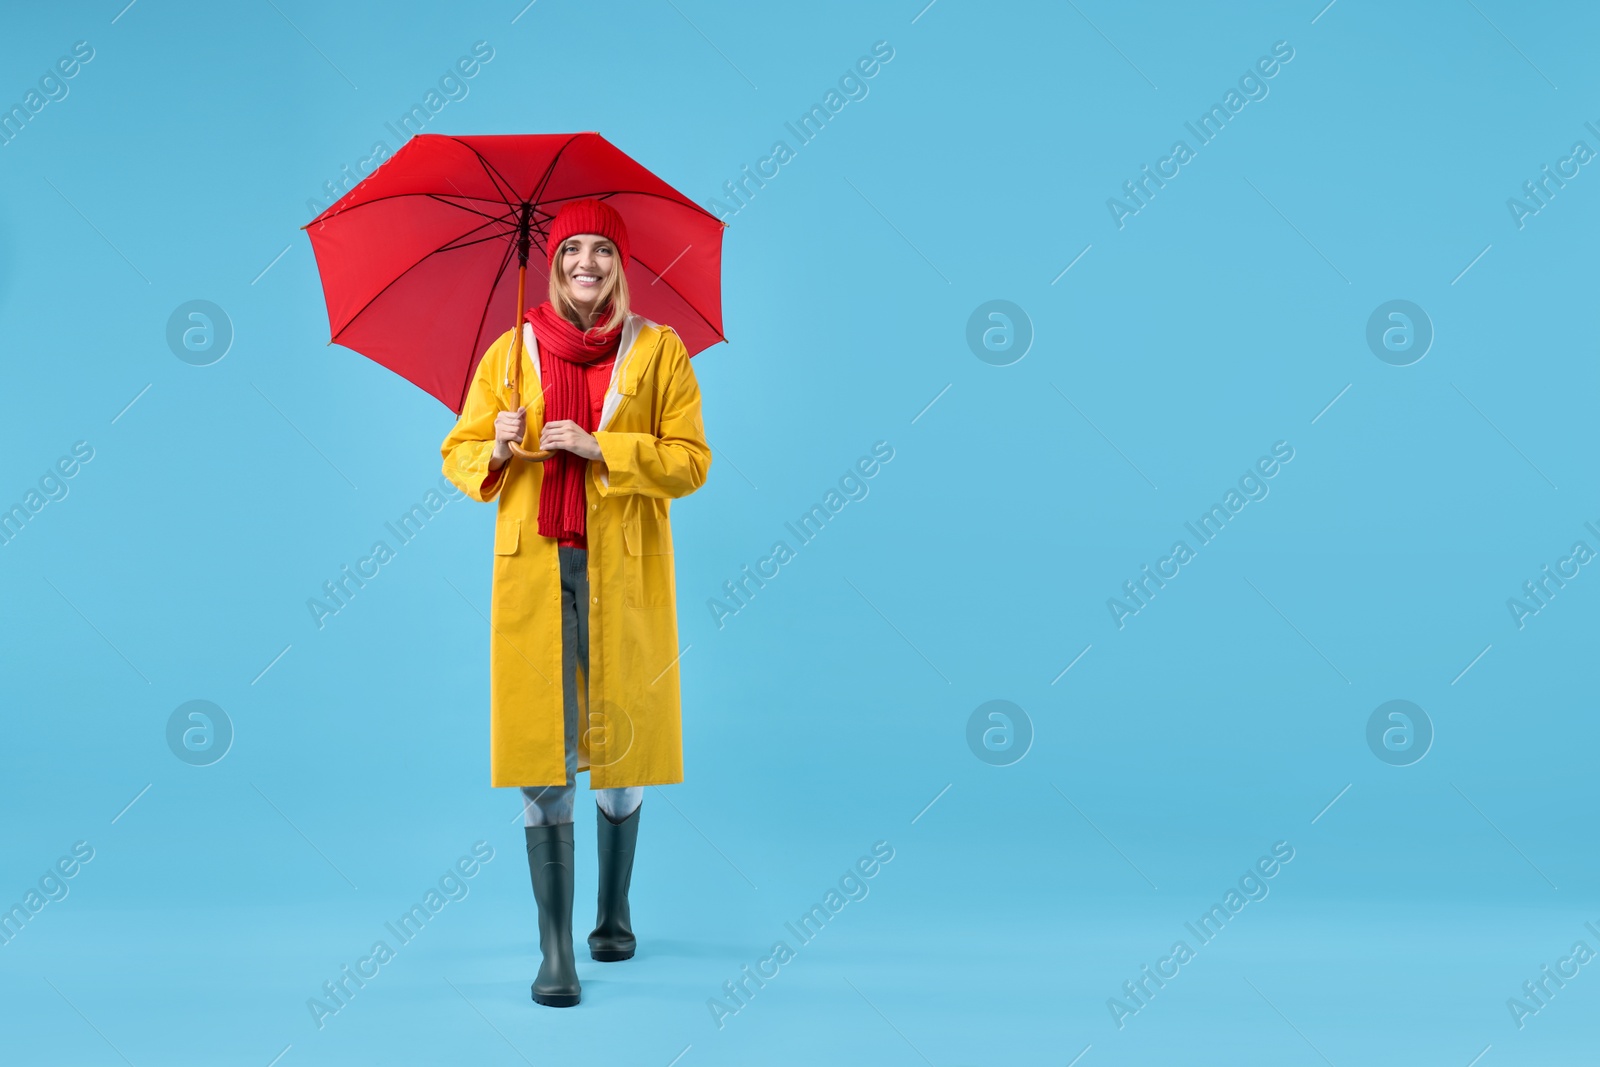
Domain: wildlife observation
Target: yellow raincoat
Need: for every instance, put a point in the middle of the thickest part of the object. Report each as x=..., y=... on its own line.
x=654, y=450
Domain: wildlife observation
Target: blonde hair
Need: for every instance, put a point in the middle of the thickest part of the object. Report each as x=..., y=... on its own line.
x=615, y=290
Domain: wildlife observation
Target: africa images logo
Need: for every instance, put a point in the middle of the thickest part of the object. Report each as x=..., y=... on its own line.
x=1205, y=129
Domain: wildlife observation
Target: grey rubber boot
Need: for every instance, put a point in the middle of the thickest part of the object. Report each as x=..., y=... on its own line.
x=613, y=938
x=550, y=867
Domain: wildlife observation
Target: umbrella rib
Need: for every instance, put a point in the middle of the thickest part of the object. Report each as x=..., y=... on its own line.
x=507, y=193
x=476, y=229
x=476, y=241
x=680, y=200
x=443, y=199
x=501, y=200
x=549, y=170
x=448, y=246
x=475, y=358
x=398, y=196
x=686, y=301
x=544, y=182
x=500, y=181
x=491, y=219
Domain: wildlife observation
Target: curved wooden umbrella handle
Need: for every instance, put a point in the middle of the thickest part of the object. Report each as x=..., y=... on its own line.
x=537, y=457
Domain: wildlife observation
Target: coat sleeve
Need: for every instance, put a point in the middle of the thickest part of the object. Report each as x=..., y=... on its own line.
x=467, y=448
x=672, y=463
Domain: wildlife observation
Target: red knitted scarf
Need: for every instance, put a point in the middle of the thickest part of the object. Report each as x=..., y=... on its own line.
x=564, y=350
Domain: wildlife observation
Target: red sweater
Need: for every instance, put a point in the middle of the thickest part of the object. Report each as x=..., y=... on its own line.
x=597, y=376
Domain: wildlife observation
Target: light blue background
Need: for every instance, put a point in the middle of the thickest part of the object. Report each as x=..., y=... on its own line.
x=1226, y=716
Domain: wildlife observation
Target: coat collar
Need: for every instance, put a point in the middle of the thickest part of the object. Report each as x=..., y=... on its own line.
x=636, y=351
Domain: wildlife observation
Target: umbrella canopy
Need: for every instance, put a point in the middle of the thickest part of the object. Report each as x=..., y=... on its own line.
x=419, y=261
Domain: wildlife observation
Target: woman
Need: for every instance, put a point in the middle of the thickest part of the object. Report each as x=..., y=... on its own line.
x=583, y=574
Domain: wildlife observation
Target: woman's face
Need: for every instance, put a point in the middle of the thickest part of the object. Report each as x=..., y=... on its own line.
x=586, y=261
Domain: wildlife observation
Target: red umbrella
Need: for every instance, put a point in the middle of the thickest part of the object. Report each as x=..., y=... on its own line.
x=415, y=261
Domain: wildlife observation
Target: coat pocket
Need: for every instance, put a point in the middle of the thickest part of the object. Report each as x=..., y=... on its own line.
x=507, y=533
x=647, y=564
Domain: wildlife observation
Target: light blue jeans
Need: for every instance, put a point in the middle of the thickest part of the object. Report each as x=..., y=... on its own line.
x=551, y=805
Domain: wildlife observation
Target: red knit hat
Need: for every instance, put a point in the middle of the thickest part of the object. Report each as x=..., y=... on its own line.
x=587, y=216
